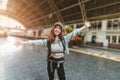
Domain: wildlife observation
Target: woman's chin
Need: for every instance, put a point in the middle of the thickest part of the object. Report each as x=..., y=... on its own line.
x=56, y=34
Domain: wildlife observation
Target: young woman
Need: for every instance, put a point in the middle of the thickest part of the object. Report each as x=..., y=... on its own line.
x=57, y=45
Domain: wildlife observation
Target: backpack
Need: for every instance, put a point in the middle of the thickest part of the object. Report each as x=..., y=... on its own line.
x=49, y=48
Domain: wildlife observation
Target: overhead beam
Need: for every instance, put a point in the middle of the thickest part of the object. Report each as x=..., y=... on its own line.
x=109, y=16
x=78, y=4
x=72, y=7
x=55, y=12
x=31, y=16
x=83, y=11
x=45, y=20
x=34, y=7
x=106, y=5
x=92, y=9
x=55, y=9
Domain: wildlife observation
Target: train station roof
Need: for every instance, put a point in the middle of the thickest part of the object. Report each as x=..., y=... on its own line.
x=43, y=13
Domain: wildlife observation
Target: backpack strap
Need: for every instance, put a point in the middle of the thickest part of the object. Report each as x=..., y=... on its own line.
x=63, y=43
x=49, y=48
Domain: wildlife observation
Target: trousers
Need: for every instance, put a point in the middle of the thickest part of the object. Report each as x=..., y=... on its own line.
x=52, y=66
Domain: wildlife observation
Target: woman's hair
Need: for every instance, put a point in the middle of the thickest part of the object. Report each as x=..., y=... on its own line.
x=52, y=35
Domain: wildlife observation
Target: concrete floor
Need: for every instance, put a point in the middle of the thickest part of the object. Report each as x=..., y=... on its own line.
x=29, y=63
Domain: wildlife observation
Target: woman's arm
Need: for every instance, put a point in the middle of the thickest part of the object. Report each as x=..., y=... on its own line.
x=39, y=42
x=77, y=31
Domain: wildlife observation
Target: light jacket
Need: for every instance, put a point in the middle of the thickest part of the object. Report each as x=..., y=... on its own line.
x=67, y=38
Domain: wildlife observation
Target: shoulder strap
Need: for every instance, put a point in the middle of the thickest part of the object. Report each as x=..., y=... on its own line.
x=48, y=44
x=63, y=43
x=49, y=48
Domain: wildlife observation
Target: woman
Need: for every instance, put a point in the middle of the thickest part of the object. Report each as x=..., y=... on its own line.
x=57, y=45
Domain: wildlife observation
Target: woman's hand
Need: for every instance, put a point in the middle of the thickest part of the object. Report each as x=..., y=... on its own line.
x=18, y=43
x=87, y=24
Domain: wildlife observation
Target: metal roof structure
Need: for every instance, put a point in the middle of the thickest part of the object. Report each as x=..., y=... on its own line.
x=43, y=13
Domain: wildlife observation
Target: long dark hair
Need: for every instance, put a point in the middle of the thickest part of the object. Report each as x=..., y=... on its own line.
x=52, y=35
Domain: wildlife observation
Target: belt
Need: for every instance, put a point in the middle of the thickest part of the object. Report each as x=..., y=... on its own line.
x=58, y=61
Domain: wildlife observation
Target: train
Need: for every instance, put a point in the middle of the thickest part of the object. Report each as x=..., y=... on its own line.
x=102, y=33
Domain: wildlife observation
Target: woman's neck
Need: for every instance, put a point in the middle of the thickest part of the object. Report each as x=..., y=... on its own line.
x=57, y=38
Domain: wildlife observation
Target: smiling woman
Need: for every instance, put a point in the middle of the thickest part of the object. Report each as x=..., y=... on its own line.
x=57, y=45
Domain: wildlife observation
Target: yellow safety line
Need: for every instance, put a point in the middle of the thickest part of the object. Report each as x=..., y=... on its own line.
x=101, y=55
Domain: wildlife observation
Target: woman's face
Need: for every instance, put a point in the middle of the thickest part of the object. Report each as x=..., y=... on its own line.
x=57, y=30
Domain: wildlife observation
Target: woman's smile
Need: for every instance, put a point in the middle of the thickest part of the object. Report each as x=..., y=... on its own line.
x=57, y=30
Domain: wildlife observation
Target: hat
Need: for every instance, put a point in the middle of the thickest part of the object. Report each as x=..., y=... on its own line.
x=60, y=24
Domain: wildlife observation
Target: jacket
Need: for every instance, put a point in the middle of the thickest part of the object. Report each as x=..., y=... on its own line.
x=67, y=38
